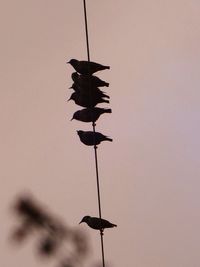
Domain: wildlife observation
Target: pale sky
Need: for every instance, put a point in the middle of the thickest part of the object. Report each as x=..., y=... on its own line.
x=150, y=173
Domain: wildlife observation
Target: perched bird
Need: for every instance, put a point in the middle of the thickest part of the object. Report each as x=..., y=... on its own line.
x=97, y=223
x=86, y=67
x=88, y=80
x=90, y=114
x=86, y=101
x=90, y=138
x=89, y=92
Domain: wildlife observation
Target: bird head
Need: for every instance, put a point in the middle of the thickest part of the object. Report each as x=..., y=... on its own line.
x=72, y=61
x=85, y=219
x=75, y=115
x=73, y=86
x=72, y=97
x=80, y=133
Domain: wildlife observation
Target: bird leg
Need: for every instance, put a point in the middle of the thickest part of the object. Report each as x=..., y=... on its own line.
x=101, y=232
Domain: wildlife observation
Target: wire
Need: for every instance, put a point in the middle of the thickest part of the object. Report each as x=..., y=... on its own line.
x=94, y=130
x=86, y=30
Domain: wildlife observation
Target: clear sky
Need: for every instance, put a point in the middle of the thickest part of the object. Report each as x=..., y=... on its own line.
x=150, y=173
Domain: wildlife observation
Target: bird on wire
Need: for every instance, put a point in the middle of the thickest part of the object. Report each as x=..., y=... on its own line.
x=97, y=223
x=89, y=92
x=86, y=67
x=88, y=80
x=91, y=138
x=90, y=114
x=86, y=101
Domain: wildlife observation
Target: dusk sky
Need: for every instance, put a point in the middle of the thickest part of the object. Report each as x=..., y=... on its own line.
x=149, y=174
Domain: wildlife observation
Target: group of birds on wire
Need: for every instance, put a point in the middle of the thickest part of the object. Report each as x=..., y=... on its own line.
x=87, y=94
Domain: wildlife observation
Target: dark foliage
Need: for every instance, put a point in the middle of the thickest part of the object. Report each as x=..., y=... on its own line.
x=55, y=238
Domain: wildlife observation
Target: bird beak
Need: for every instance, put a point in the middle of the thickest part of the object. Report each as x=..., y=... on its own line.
x=70, y=87
x=80, y=222
x=67, y=62
x=69, y=99
x=72, y=118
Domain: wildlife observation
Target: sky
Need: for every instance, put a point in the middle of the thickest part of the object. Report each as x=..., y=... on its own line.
x=149, y=175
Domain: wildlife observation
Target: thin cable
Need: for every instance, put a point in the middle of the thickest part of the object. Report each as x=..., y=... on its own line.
x=97, y=175
x=86, y=30
x=95, y=147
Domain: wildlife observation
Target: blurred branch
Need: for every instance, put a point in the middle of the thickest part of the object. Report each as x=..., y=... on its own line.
x=54, y=236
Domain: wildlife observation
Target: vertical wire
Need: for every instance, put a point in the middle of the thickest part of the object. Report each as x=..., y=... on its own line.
x=86, y=30
x=94, y=130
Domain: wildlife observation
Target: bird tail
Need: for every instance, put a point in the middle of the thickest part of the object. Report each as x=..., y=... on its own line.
x=105, y=101
x=108, y=139
x=106, y=96
x=107, y=110
x=106, y=84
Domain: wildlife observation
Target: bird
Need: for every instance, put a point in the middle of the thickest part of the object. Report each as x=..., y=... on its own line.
x=91, y=138
x=86, y=101
x=90, y=114
x=86, y=67
x=88, y=80
x=89, y=92
x=97, y=223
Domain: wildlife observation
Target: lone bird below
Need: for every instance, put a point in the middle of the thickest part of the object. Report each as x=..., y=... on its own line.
x=97, y=223
x=90, y=138
x=86, y=67
x=90, y=114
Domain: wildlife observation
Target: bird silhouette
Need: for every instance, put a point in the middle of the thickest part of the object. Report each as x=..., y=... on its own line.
x=86, y=67
x=90, y=114
x=97, y=223
x=88, y=80
x=90, y=138
x=86, y=101
x=88, y=91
